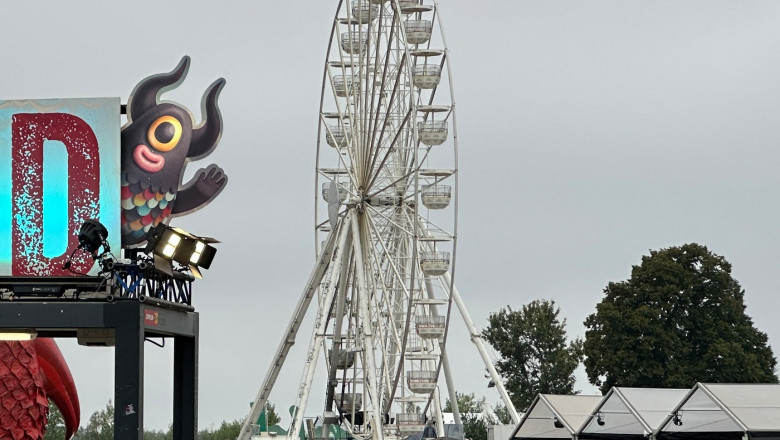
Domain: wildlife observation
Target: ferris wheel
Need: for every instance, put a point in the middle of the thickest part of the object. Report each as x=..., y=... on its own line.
x=386, y=228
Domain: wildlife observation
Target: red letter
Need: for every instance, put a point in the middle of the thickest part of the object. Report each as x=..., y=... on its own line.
x=29, y=132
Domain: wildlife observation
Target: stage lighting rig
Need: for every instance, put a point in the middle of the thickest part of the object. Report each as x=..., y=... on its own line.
x=92, y=235
x=145, y=274
x=168, y=244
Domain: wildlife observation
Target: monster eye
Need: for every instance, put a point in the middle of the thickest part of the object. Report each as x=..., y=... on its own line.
x=164, y=133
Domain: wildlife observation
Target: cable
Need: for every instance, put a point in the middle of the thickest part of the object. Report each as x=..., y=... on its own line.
x=156, y=343
x=68, y=262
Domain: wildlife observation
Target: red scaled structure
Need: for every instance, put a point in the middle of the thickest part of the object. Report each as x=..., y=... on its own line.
x=30, y=374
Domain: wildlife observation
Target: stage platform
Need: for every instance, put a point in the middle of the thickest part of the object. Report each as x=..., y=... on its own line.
x=123, y=323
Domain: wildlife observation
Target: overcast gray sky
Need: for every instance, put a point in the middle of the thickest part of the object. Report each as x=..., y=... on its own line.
x=589, y=133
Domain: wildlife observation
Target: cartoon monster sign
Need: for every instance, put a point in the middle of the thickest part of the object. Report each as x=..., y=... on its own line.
x=158, y=141
x=66, y=161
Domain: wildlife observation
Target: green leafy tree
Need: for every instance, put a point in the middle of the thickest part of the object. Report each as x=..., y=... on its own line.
x=502, y=414
x=100, y=426
x=471, y=414
x=152, y=434
x=55, y=429
x=679, y=319
x=226, y=431
x=535, y=355
x=273, y=417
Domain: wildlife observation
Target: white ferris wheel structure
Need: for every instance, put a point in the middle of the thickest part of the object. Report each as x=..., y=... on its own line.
x=386, y=206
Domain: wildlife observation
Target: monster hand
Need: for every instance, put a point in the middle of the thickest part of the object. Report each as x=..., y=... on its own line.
x=198, y=192
x=210, y=181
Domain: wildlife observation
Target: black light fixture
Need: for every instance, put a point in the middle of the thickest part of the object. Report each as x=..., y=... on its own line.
x=600, y=419
x=169, y=244
x=677, y=419
x=557, y=423
x=92, y=235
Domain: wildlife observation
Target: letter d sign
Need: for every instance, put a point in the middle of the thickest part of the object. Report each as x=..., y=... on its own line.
x=59, y=165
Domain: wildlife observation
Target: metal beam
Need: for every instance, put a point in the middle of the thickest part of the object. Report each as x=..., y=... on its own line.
x=476, y=338
x=185, y=387
x=288, y=339
x=131, y=321
x=129, y=377
x=318, y=337
x=368, y=333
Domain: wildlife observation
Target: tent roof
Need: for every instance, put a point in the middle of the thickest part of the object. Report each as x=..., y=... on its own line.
x=710, y=408
x=276, y=429
x=570, y=411
x=632, y=411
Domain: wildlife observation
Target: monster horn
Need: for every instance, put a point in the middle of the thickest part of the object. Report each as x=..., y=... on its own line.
x=206, y=136
x=148, y=91
x=58, y=383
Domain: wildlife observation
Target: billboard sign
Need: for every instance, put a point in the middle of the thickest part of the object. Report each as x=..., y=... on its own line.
x=59, y=166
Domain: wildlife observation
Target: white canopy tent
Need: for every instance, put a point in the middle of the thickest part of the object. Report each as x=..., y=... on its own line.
x=725, y=412
x=555, y=417
x=631, y=413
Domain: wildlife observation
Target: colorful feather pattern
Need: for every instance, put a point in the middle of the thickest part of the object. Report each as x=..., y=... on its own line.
x=141, y=210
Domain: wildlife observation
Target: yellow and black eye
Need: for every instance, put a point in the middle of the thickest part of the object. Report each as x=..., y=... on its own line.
x=164, y=133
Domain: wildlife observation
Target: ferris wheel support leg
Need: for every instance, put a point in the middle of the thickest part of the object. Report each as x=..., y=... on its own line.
x=368, y=336
x=319, y=333
x=453, y=395
x=337, y=336
x=289, y=336
x=476, y=338
x=437, y=412
x=337, y=331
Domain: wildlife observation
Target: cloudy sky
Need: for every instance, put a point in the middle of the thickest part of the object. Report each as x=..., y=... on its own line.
x=589, y=133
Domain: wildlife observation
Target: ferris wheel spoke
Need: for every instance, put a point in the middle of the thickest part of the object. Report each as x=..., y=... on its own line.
x=367, y=99
x=358, y=245
x=376, y=143
x=394, y=283
x=391, y=149
x=431, y=228
x=421, y=160
x=379, y=99
x=401, y=228
x=393, y=181
x=385, y=254
x=390, y=260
